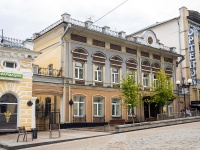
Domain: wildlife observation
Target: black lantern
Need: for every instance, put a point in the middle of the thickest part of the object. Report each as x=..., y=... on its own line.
x=29, y=103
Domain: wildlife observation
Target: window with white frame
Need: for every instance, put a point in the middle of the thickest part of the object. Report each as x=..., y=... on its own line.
x=145, y=80
x=131, y=74
x=78, y=106
x=170, y=108
x=116, y=111
x=98, y=73
x=115, y=75
x=130, y=113
x=9, y=64
x=78, y=70
x=155, y=80
x=98, y=106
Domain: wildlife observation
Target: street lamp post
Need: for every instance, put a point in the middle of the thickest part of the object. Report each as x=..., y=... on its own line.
x=183, y=86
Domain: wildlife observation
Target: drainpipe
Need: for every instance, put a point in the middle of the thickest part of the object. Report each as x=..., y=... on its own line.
x=179, y=37
x=62, y=67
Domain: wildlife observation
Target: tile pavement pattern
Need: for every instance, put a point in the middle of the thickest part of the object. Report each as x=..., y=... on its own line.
x=177, y=137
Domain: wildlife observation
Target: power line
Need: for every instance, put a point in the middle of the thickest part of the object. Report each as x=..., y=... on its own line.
x=102, y=17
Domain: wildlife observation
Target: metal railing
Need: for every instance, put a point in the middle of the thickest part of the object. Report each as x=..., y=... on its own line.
x=47, y=72
x=166, y=116
x=11, y=42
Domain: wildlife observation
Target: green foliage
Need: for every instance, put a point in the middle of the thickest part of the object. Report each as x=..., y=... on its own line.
x=130, y=93
x=163, y=89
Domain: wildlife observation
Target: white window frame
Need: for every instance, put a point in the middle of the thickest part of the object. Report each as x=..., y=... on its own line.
x=114, y=75
x=78, y=103
x=98, y=105
x=115, y=106
x=145, y=80
x=97, y=72
x=129, y=111
x=170, y=109
x=78, y=69
x=155, y=80
x=11, y=62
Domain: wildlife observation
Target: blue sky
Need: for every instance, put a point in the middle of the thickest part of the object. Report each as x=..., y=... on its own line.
x=21, y=18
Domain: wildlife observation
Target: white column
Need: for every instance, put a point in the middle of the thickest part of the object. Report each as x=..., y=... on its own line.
x=33, y=112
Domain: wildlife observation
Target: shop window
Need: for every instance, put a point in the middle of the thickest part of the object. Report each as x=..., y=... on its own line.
x=98, y=107
x=116, y=111
x=79, y=106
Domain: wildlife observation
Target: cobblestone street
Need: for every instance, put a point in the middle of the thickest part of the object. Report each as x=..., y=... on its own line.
x=177, y=137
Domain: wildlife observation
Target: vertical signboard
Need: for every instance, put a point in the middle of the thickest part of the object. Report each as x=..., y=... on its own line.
x=193, y=30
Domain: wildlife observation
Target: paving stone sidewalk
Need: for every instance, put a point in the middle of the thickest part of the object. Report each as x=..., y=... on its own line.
x=9, y=141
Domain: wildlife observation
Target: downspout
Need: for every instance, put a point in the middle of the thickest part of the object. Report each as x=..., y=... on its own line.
x=179, y=37
x=62, y=67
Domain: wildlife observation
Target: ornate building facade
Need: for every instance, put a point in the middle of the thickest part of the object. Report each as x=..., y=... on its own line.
x=17, y=107
x=81, y=67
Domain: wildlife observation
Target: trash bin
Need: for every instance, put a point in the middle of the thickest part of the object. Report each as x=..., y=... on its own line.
x=34, y=133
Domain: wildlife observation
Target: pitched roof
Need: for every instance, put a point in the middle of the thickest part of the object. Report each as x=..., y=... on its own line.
x=153, y=25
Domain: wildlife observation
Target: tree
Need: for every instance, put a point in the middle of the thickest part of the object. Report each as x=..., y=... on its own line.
x=163, y=89
x=130, y=94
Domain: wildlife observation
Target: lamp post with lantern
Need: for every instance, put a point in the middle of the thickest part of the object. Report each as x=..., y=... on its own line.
x=183, y=86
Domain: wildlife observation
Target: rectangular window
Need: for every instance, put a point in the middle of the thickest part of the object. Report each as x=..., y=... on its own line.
x=155, y=81
x=131, y=74
x=131, y=51
x=115, y=75
x=98, y=73
x=130, y=113
x=78, y=70
x=116, y=111
x=78, y=38
x=98, y=43
x=78, y=106
x=9, y=64
x=146, y=80
x=115, y=47
x=98, y=106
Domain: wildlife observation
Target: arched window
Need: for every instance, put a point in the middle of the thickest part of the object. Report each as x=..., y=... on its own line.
x=99, y=58
x=99, y=61
x=116, y=64
x=146, y=67
x=131, y=66
x=80, y=54
x=155, y=67
x=169, y=71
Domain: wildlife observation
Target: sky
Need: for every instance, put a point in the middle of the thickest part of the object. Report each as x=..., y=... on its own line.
x=20, y=19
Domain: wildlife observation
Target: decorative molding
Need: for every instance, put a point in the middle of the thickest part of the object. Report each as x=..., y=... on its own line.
x=26, y=65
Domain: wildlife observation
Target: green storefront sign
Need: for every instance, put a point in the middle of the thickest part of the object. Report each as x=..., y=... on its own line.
x=10, y=75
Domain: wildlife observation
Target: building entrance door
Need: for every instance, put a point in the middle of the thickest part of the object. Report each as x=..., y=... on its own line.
x=8, y=112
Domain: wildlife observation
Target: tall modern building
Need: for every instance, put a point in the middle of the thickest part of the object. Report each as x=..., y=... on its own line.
x=81, y=67
x=182, y=32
